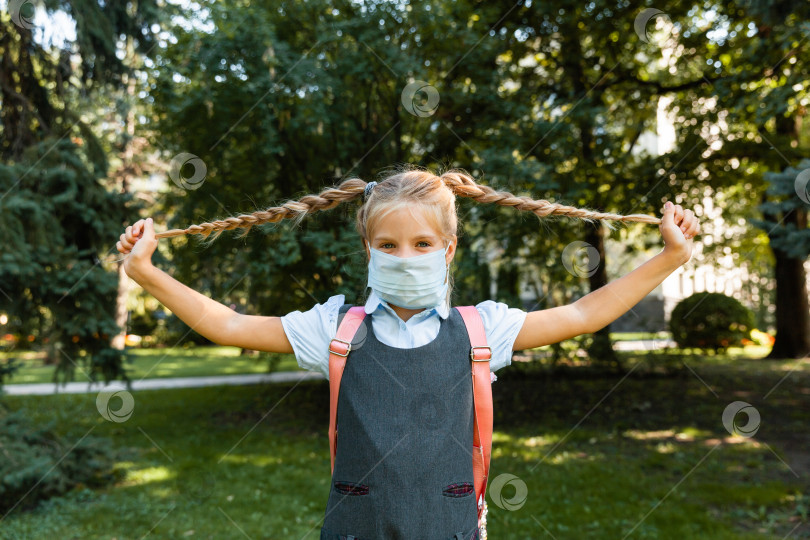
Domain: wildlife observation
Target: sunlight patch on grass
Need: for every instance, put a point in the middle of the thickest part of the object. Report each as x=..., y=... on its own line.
x=647, y=435
x=147, y=475
x=536, y=440
x=260, y=460
x=688, y=434
x=665, y=448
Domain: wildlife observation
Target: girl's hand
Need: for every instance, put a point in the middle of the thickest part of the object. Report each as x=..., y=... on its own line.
x=140, y=242
x=678, y=227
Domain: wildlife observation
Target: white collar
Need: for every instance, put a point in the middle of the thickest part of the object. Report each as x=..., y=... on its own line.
x=374, y=302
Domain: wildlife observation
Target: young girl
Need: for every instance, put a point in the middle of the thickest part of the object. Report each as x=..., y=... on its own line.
x=403, y=468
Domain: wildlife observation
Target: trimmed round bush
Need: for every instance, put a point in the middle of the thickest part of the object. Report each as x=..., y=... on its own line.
x=707, y=320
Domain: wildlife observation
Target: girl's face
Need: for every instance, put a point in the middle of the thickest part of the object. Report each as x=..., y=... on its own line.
x=405, y=233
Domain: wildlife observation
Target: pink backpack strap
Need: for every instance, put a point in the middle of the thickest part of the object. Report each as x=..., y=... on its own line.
x=339, y=349
x=480, y=354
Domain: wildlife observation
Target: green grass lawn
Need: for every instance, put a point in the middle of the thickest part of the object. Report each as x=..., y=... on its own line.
x=194, y=362
x=645, y=456
x=160, y=363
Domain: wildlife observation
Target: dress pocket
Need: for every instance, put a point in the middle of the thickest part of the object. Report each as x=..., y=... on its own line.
x=351, y=511
x=461, y=489
x=351, y=488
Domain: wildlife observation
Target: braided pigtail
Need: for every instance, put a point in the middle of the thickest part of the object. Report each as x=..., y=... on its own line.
x=463, y=185
x=296, y=210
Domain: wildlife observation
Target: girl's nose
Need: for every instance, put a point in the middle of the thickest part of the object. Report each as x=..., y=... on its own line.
x=405, y=253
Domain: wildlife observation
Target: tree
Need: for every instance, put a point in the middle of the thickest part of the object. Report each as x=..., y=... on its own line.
x=60, y=220
x=285, y=110
x=759, y=97
x=785, y=212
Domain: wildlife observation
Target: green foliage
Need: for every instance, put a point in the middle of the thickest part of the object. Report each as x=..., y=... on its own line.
x=142, y=323
x=37, y=464
x=707, y=320
x=58, y=220
x=783, y=188
x=551, y=103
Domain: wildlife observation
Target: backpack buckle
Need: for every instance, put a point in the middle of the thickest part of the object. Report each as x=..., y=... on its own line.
x=348, y=347
x=487, y=357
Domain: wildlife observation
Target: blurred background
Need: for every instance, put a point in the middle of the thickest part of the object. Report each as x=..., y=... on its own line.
x=188, y=112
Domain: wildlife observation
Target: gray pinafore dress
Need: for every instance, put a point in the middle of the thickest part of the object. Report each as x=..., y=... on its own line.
x=403, y=465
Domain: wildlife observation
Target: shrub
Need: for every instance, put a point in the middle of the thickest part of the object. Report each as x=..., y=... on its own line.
x=37, y=464
x=708, y=320
x=143, y=324
x=7, y=368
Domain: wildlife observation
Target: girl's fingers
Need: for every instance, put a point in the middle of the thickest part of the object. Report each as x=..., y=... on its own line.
x=125, y=243
x=678, y=215
x=693, y=229
x=134, y=232
x=691, y=225
x=686, y=221
x=130, y=236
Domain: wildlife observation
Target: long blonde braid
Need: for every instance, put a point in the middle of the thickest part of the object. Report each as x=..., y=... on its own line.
x=459, y=182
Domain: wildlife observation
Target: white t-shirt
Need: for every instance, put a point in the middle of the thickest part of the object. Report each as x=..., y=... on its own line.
x=310, y=332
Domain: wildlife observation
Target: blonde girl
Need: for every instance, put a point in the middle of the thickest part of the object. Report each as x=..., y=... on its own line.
x=402, y=472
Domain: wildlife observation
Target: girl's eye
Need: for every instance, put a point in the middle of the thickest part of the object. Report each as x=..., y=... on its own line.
x=387, y=244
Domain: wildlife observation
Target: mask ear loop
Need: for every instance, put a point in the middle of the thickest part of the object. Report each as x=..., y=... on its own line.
x=447, y=274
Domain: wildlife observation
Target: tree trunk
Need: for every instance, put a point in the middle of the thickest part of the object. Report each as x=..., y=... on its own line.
x=792, y=338
x=121, y=312
x=601, y=349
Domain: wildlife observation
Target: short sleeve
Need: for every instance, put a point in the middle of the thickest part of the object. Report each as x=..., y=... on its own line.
x=502, y=325
x=310, y=332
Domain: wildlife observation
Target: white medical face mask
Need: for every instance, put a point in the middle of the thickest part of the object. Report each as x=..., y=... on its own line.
x=412, y=282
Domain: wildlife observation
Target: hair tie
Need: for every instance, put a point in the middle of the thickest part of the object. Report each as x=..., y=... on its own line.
x=368, y=189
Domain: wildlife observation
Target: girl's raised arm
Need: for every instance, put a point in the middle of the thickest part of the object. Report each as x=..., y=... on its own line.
x=206, y=316
x=599, y=308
